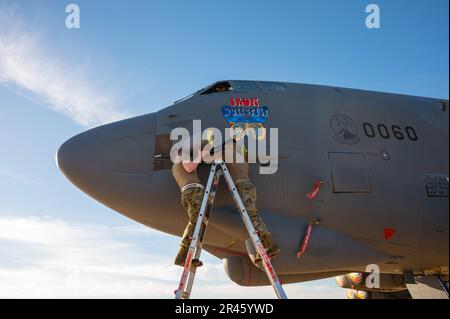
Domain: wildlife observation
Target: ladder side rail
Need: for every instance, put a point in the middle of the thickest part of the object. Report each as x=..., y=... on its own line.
x=198, y=252
x=198, y=225
x=271, y=274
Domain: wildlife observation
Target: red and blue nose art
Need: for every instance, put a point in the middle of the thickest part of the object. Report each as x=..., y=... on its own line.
x=245, y=115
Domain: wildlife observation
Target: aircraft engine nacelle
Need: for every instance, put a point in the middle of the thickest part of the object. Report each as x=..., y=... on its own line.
x=242, y=271
x=357, y=282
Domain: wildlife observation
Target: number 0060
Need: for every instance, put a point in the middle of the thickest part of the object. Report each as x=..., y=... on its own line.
x=387, y=132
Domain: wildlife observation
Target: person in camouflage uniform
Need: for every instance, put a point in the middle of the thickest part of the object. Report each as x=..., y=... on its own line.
x=192, y=192
x=247, y=191
x=191, y=198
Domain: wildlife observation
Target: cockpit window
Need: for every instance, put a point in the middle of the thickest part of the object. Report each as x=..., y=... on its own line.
x=273, y=86
x=219, y=88
x=245, y=86
x=238, y=86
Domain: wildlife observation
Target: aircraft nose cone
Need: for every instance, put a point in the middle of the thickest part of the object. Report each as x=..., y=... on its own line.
x=106, y=161
x=63, y=158
x=76, y=158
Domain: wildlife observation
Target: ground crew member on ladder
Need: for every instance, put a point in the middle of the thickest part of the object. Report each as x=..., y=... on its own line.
x=247, y=191
x=192, y=191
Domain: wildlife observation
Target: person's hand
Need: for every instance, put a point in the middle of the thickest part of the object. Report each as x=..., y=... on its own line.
x=189, y=166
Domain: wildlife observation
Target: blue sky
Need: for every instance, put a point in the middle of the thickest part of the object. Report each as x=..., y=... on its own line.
x=135, y=57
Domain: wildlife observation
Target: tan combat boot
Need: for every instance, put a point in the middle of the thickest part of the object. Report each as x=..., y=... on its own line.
x=271, y=248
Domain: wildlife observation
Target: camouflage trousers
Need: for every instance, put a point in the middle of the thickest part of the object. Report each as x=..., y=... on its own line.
x=248, y=194
x=191, y=199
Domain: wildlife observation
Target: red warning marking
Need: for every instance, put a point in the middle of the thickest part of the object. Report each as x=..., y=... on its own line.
x=315, y=191
x=388, y=233
x=305, y=241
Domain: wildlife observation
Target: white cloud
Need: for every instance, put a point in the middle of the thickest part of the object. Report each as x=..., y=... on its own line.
x=19, y=178
x=64, y=87
x=49, y=258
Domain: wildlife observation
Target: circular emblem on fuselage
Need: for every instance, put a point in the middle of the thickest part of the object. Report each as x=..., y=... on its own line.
x=344, y=129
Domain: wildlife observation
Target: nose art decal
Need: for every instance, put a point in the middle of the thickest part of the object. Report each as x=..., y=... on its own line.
x=246, y=115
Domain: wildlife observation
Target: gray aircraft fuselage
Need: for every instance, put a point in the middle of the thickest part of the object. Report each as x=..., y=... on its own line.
x=383, y=159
